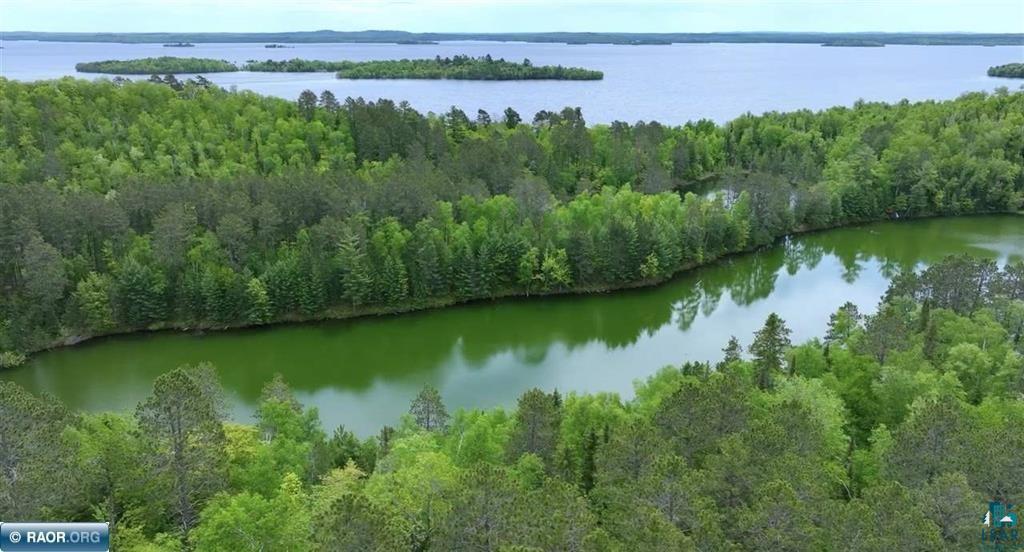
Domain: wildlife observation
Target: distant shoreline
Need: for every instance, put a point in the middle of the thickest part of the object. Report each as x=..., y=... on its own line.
x=457, y=68
x=401, y=37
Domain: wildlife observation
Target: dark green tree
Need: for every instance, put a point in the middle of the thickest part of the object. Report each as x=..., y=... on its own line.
x=428, y=410
x=769, y=350
x=181, y=427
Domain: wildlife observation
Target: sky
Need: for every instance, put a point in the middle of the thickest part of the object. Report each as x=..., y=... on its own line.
x=513, y=15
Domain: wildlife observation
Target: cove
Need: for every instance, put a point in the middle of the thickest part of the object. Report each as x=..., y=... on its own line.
x=364, y=372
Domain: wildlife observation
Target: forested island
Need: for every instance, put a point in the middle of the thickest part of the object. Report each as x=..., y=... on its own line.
x=323, y=209
x=461, y=68
x=180, y=45
x=890, y=433
x=1009, y=70
x=161, y=65
x=457, y=67
x=394, y=37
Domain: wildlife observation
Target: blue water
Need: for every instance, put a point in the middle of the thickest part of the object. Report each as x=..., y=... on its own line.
x=670, y=84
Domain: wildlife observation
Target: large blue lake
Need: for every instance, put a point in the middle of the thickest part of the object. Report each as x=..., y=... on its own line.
x=671, y=84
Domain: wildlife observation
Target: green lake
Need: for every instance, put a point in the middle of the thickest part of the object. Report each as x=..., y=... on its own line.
x=364, y=372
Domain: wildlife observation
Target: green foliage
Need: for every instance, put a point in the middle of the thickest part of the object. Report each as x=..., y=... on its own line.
x=247, y=521
x=868, y=439
x=183, y=443
x=36, y=481
x=458, y=67
x=11, y=359
x=329, y=209
x=157, y=65
x=842, y=451
x=768, y=349
x=1009, y=70
x=537, y=422
x=428, y=410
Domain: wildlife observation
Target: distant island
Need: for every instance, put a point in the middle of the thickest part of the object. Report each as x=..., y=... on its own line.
x=396, y=37
x=853, y=43
x=415, y=42
x=458, y=67
x=276, y=46
x=295, y=65
x=179, y=45
x=161, y=65
x=639, y=42
x=648, y=42
x=1009, y=70
x=462, y=68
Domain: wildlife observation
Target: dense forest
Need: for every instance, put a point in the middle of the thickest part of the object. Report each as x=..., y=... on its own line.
x=457, y=67
x=399, y=37
x=162, y=64
x=1010, y=70
x=891, y=433
x=136, y=205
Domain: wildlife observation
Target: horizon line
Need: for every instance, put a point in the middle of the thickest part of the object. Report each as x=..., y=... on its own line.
x=525, y=32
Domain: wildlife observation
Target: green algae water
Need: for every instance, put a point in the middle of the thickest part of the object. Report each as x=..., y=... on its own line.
x=364, y=372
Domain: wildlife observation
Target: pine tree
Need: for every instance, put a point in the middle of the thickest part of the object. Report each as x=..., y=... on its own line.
x=538, y=418
x=769, y=349
x=733, y=351
x=358, y=279
x=183, y=425
x=307, y=104
x=428, y=410
x=842, y=323
x=259, y=309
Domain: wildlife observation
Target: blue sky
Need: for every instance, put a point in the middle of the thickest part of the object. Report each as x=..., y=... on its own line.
x=514, y=15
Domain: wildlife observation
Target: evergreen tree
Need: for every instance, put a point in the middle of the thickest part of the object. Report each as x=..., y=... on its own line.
x=842, y=323
x=259, y=309
x=733, y=351
x=537, y=421
x=769, y=350
x=307, y=104
x=181, y=424
x=428, y=410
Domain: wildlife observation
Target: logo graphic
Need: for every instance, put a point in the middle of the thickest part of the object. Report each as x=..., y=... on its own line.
x=1001, y=525
x=54, y=537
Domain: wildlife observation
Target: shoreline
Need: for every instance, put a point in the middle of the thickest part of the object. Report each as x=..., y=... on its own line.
x=339, y=313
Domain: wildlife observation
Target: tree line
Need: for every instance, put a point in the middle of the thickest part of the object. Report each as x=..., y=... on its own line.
x=154, y=65
x=892, y=432
x=1009, y=70
x=462, y=68
x=458, y=67
x=133, y=205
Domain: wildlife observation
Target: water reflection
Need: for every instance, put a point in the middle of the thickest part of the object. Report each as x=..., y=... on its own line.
x=363, y=372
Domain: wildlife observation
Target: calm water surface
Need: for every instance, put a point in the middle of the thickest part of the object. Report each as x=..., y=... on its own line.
x=671, y=84
x=363, y=373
